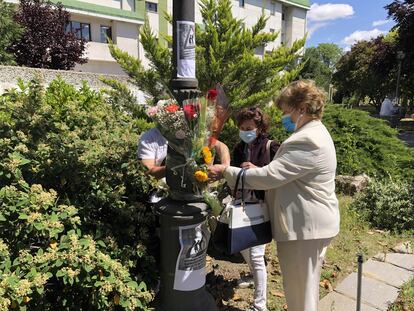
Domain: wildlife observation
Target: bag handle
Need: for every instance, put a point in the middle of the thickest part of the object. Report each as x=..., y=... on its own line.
x=268, y=144
x=240, y=176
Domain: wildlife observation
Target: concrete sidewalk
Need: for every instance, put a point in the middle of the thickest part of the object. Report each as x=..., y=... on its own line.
x=382, y=277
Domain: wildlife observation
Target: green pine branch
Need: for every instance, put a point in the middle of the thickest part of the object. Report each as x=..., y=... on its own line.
x=225, y=53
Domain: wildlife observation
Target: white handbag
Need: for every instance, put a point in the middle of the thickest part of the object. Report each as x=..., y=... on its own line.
x=242, y=224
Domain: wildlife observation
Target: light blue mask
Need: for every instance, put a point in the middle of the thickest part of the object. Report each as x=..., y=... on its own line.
x=248, y=136
x=288, y=124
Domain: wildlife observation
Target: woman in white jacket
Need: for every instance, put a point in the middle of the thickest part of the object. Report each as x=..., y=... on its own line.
x=300, y=193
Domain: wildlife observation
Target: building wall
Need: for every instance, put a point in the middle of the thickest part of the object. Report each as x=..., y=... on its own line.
x=117, y=4
x=298, y=24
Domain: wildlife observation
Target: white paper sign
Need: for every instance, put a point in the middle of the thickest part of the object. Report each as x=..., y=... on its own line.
x=186, y=49
x=190, y=271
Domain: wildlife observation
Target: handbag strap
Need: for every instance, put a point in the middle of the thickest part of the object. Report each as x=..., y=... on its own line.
x=268, y=144
x=240, y=176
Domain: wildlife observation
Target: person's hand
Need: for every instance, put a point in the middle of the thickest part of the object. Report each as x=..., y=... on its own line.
x=247, y=165
x=215, y=172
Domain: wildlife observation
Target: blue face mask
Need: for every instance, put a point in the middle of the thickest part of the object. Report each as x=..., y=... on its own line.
x=248, y=136
x=288, y=123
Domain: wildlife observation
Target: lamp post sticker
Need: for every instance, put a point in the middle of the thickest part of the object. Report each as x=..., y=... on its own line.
x=186, y=49
x=190, y=267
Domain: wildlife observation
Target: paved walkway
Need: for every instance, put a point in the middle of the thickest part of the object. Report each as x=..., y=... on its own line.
x=382, y=277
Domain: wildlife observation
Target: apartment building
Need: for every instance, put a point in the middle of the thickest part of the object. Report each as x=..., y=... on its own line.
x=120, y=20
x=287, y=17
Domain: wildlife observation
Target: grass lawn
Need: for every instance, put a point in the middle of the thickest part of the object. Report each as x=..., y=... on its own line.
x=355, y=236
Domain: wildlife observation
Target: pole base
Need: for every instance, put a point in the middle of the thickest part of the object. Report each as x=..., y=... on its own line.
x=199, y=300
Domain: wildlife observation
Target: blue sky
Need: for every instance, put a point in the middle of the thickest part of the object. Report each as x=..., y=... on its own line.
x=347, y=21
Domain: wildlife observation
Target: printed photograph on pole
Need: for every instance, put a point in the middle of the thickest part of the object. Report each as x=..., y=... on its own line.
x=186, y=49
x=190, y=267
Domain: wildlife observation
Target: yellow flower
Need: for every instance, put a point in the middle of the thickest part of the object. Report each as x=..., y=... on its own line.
x=208, y=159
x=201, y=176
x=26, y=299
x=53, y=245
x=207, y=155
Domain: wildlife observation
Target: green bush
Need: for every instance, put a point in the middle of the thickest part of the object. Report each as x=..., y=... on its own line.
x=83, y=146
x=388, y=204
x=366, y=145
x=45, y=261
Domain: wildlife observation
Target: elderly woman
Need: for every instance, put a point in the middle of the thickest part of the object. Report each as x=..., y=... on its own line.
x=300, y=193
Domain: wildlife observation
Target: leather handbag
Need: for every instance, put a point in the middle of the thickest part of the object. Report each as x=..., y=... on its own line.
x=242, y=224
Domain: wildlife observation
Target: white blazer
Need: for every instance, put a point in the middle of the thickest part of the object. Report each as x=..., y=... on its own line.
x=300, y=184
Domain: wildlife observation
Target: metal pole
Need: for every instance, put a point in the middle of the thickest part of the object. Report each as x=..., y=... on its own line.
x=183, y=85
x=398, y=81
x=360, y=261
x=183, y=234
x=183, y=77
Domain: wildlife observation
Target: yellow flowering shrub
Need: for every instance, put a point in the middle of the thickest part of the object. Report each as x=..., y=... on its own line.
x=73, y=228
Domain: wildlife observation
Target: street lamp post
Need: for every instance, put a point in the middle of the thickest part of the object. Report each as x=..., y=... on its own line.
x=183, y=234
x=400, y=57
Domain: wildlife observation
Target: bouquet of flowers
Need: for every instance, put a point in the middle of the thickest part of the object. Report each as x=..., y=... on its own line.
x=191, y=131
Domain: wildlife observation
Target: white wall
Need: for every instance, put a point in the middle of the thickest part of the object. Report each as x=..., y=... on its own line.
x=126, y=35
x=128, y=5
x=298, y=24
x=109, y=3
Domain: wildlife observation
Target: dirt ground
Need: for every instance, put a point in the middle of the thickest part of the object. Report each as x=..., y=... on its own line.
x=223, y=273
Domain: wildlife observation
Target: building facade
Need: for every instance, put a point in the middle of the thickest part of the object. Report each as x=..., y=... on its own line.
x=287, y=17
x=120, y=20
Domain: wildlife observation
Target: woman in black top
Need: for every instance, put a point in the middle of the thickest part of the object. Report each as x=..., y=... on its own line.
x=254, y=150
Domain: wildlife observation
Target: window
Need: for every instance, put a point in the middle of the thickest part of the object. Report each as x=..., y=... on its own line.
x=272, y=30
x=151, y=6
x=81, y=30
x=283, y=16
x=259, y=51
x=241, y=3
x=106, y=32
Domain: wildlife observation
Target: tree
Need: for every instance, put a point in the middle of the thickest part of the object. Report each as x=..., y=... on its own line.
x=367, y=70
x=225, y=53
x=320, y=63
x=402, y=12
x=45, y=43
x=9, y=32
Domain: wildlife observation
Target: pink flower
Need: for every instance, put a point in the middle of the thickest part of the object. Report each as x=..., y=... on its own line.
x=152, y=111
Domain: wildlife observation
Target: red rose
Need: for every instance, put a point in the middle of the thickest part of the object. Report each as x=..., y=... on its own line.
x=190, y=111
x=212, y=94
x=172, y=108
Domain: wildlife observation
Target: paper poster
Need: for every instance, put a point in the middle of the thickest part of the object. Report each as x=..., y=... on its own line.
x=190, y=271
x=186, y=49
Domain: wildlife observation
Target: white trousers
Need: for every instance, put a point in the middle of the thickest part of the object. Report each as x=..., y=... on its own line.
x=254, y=257
x=301, y=262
